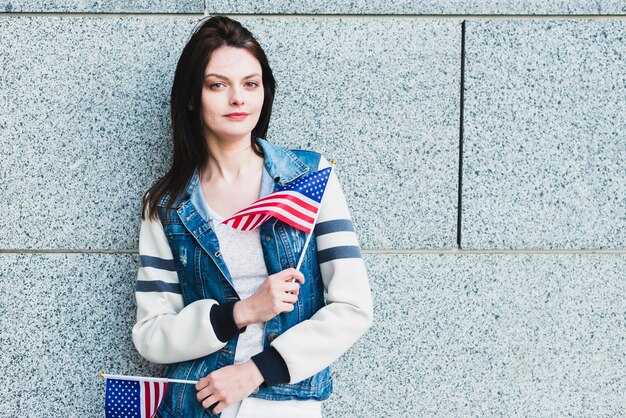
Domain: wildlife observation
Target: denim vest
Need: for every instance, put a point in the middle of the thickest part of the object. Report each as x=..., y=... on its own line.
x=204, y=275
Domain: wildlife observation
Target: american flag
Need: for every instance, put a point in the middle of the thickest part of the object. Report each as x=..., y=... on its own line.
x=133, y=398
x=296, y=204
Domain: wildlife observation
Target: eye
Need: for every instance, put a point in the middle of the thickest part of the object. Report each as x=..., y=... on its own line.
x=252, y=84
x=214, y=86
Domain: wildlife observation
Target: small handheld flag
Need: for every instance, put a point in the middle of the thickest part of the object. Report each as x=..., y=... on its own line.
x=133, y=398
x=296, y=204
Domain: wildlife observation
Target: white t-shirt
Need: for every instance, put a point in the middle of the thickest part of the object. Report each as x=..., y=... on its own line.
x=243, y=256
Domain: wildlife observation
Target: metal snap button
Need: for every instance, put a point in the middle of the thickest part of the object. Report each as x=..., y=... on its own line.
x=271, y=337
x=267, y=238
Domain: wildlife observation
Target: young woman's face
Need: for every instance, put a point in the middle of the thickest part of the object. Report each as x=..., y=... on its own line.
x=232, y=94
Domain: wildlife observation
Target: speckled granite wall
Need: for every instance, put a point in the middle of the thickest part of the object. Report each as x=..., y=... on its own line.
x=421, y=7
x=514, y=335
x=85, y=119
x=400, y=7
x=92, y=109
x=545, y=134
x=352, y=90
x=65, y=318
x=84, y=132
x=454, y=335
x=100, y=6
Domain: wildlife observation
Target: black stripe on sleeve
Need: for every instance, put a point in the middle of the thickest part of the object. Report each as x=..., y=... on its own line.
x=157, y=263
x=336, y=225
x=334, y=253
x=157, y=286
x=272, y=366
x=223, y=321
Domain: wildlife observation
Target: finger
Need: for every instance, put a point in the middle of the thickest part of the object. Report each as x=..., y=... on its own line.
x=202, y=383
x=210, y=402
x=203, y=394
x=291, y=287
x=289, y=298
x=299, y=276
x=287, y=307
x=291, y=273
x=214, y=406
x=218, y=408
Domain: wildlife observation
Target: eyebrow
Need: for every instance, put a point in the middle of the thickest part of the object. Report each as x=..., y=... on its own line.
x=226, y=78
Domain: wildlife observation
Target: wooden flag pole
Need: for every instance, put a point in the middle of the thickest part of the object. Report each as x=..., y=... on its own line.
x=149, y=379
x=308, y=238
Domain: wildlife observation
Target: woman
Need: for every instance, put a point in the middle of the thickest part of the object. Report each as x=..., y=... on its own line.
x=225, y=306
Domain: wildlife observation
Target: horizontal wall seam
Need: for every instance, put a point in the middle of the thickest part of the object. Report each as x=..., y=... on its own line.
x=364, y=251
x=67, y=251
x=329, y=16
x=498, y=251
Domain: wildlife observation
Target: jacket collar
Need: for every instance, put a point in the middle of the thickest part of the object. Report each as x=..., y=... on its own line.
x=282, y=164
x=281, y=167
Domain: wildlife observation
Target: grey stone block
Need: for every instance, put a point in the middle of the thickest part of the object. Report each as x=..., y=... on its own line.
x=421, y=7
x=64, y=318
x=85, y=119
x=84, y=126
x=544, y=144
x=488, y=335
x=106, y=6
x=382, y=98
x=453, y=335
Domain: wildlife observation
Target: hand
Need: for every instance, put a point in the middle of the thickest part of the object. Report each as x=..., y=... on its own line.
x=276, y=295
x=228, y=385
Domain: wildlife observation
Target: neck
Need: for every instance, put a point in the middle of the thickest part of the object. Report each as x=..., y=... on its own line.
x=231, y=161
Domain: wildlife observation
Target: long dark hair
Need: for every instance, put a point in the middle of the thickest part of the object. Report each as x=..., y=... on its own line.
x=190, y=150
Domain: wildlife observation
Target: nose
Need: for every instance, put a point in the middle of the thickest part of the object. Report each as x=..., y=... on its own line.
x=236, y=96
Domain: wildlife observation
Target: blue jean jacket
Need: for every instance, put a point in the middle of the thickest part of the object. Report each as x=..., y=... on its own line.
x=203, y=274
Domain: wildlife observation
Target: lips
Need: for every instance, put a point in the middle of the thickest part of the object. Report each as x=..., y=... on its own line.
x=237, y=116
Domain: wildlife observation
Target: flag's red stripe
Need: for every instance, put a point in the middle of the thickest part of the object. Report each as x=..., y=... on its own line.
x=251, y=218
x=243, y=220
x=157, y=397
x=288, y=207
x=285, y=196
x=164, y=390
x=270, y=211
x=146, y=397
x=268, y=208
x=292, y=195
x=252, y=222
x=283, y=218
x=258, y=222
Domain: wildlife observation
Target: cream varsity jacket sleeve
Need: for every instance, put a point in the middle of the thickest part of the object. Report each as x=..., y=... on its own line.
x=166, y=331
x=314, y=344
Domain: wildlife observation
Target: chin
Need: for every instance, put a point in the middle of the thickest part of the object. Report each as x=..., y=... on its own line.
x=234, y=134
x=233, y=131
x=238, y=131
